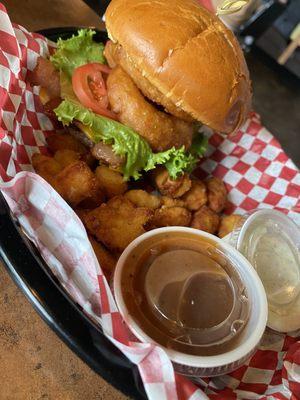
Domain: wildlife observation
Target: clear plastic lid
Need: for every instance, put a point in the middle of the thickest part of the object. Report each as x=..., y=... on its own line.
x=271, y=242
x=196, y=296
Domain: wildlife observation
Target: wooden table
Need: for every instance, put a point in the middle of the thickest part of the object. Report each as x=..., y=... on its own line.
x=35, y=364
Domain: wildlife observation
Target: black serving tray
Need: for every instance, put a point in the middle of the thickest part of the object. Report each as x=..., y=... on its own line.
x=28, y=270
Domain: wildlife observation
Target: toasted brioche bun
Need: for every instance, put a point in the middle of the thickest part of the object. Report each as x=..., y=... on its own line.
x=187, y=54
x=115, y=55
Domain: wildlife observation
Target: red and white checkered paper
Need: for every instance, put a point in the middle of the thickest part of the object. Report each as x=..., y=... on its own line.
x=252, y=164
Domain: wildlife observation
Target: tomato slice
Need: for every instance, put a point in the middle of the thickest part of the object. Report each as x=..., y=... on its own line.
x=89, y=86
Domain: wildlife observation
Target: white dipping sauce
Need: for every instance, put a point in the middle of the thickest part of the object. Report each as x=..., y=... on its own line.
x=271, y=242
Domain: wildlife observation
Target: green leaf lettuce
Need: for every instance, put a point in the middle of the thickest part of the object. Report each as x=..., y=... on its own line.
x=126, y=142
x=80, y=49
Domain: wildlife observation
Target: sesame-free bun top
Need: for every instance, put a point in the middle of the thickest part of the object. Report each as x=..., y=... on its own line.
x=187, y=54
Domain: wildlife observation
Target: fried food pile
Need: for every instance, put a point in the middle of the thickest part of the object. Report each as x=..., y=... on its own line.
x=116, y=212
x=131, y=112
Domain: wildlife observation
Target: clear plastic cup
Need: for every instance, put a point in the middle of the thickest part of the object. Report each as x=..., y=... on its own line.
x=205, y=318
x=208, y=312
x=271, y=242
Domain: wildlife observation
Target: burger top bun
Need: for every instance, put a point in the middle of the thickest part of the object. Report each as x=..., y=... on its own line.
x=187, y=54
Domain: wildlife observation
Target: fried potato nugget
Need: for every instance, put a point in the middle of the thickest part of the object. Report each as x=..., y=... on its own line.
x=66, y=157
x=161, y=130
x=206, y=220
x=46, y=167
x=76, y=183
x=170, y=202
x=64, y=141
x=111, y=182
x=171, y=187
x=106, y=260
x=117, y=223
x=196, y=197
x=217, y=194
x=143, y=199
x=171, y=216
x=228, y=223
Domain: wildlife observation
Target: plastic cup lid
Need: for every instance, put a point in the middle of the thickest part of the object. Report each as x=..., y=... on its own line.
x=271, y=242
x=210, y=316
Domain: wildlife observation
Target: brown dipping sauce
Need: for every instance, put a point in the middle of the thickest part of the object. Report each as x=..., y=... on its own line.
x=181, y=290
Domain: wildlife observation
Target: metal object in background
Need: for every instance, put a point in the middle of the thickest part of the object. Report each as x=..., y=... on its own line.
x=274, y=40
x=292, y=47
x=262, y=19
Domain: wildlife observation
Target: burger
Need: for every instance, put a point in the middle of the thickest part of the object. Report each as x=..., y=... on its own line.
x=139, y=100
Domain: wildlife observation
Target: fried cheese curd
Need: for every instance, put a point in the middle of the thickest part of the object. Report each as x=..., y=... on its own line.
x=117, y=222
x=196, y=197
x=171, y=216
x=66, y=157
x=143, y=199
x=77, y=183
x=111, y=181
x=162, y=131
x=228, y=223
x=170, y=202
x=217, y=194
x=171, y=187
x=105, y=258
x=65, y=141
x=47, y=167
x=72, y=177
x=206, y=220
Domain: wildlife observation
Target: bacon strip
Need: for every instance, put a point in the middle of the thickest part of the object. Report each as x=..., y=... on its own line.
x=105, y=153
x=45, y=75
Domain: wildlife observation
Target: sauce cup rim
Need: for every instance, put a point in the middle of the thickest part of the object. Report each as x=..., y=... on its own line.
x=242, y=350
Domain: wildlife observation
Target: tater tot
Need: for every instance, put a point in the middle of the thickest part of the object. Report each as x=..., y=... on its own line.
x=106, y=260
x=196, y=197
x=66, y=157
x=117, y=223
x=171, y=216
x=228, y=223
x=111, y=182
x=64, y=141
x=217, y=194
x=171, y=187
x=143, y=199
x=46, y=167
x=76, y=182
x=206, y=220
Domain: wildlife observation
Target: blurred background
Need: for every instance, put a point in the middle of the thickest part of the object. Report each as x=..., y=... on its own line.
x=268, y=30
